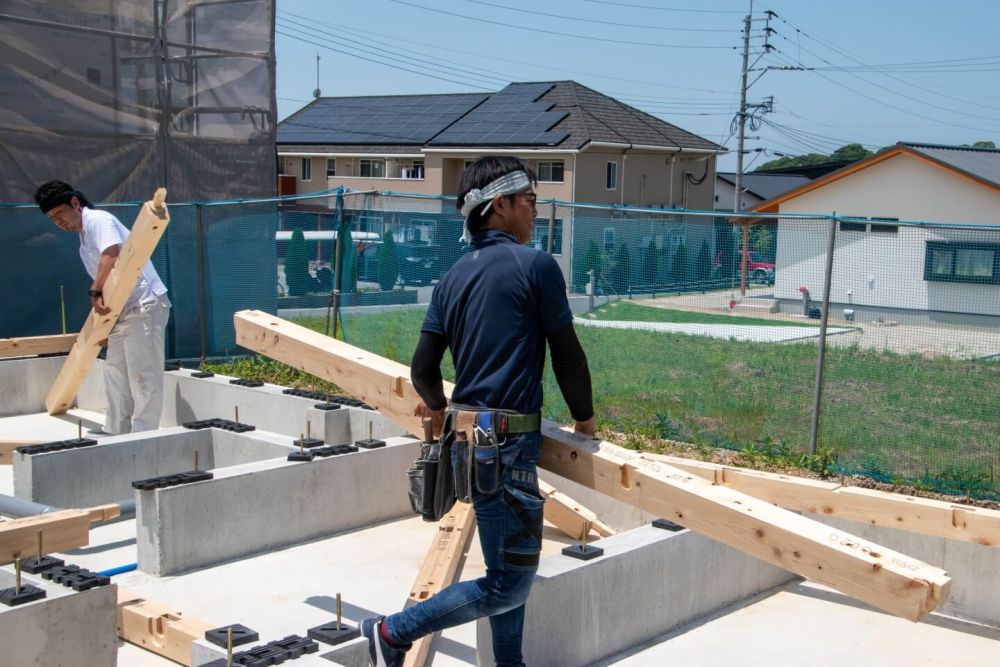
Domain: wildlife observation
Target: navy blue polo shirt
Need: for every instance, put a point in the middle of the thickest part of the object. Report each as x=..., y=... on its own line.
x=494, y=307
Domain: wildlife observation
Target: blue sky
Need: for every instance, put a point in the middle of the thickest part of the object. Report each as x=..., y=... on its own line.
x=884, y=70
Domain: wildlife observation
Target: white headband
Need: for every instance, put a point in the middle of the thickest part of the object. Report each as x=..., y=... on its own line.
x=508, y=184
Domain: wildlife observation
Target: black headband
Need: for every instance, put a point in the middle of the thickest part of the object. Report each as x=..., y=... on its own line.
x=64, y=197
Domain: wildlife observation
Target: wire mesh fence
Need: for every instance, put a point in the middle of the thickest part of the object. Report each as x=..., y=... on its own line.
x=698, y=327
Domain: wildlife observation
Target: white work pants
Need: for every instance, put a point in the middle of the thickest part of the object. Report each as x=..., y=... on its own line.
x=133, y=369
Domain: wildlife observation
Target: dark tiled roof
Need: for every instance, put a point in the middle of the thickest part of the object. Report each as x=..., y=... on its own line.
x=765, y=186
x=388, y=119
x=348, y=148
x=982, y=163
x=596, y=117
x=581, y=114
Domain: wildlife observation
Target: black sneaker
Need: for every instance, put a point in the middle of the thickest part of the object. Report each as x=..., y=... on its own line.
x=380, y=653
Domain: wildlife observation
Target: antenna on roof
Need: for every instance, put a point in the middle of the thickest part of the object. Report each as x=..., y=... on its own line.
x=317, y=92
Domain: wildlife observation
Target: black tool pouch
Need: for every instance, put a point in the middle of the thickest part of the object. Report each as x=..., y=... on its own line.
x=431, y=482
x=486, y=463
x=461, y=460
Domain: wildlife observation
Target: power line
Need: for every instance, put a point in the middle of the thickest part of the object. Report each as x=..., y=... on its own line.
x=493, y=57
x=598, y=21
x=589, y=38
x=666, y=9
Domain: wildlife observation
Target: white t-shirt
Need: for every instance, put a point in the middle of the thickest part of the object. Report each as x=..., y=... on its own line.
x=100, y=231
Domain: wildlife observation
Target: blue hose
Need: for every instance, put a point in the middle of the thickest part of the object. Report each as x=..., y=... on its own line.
x=118, y=570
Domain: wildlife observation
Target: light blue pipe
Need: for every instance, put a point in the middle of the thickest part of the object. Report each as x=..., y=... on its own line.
x=121, y=569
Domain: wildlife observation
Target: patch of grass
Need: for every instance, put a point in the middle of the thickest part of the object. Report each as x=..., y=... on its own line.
x=884, y=414
x=636, y=313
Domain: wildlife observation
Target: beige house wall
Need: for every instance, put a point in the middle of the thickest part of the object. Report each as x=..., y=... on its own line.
x=648, y=179
x=887, y=270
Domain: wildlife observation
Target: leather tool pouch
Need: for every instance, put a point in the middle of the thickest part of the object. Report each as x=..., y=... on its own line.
x=461, y=458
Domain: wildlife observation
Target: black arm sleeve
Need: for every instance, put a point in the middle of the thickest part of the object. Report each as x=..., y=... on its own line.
x=425, y=369
x=572, y=373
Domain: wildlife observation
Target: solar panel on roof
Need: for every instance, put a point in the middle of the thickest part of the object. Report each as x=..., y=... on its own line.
x=401, y=119
x=513, y=116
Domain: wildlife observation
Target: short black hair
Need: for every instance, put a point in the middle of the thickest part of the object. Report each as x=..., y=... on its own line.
x=52, y=194
x=481, y=173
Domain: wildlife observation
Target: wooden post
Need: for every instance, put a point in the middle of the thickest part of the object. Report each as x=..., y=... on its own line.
x=882, y=578
x=135, y=253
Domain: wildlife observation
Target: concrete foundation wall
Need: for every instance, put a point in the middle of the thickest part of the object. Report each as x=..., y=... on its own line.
x=272, y=504
x=647, y=583
x=65, y=628
x=104, y=472
x=24, y=384
x=975, y=589
x=187, y=399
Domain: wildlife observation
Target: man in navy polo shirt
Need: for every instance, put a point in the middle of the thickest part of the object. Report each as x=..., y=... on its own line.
x=495, y=310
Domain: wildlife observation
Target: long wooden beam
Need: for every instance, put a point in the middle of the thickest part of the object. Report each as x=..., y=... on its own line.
x=885, y=579
x=878, y=508
x=62, y=530
x=572, y=518
x=33, y=345
x=135, y=253
x=441, y=568
x=158, y=628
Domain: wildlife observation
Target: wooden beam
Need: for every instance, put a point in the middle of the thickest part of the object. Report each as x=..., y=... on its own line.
x=885, y=579
x=878, y=508
x=158, y=628
x=7, y=448
x=135, y=253
x=441, y=568
x=572, y=518
x=62, y=530
x=33, y=345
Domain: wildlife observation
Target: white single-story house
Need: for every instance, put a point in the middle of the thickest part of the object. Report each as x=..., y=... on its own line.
x=945, y=270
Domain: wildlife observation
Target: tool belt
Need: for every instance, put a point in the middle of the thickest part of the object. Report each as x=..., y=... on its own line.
x=452, y=468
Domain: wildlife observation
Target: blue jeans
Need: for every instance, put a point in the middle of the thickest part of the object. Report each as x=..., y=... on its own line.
x=510, y=534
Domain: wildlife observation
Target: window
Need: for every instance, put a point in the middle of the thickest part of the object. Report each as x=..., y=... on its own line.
x=413, y=169
x=307, y=169
x=853, y=226
x=372, y=168
x=550, y=172
x=540, y=236
x=878, y=226
x=611, y=182
x=962, y=262
x=609, y=237
x=331, y=167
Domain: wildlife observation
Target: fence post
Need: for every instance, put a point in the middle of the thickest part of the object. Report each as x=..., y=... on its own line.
x=337, y=251
x=821, y=357
x=202, y=282
x=552, y=227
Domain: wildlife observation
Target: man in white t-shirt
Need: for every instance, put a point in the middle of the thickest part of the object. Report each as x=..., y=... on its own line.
x=133, y=368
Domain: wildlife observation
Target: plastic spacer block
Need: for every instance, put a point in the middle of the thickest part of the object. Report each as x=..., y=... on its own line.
x=203, y=374
x=370, y=443
x=308, y=443
x=329, y=634
x=301, y=456
x=582, y=551
x=171, y=367
x=36, y=564
x=28, y=593
x=667, y=525
x=244, y=382
x=241, y=635
x=327, y=406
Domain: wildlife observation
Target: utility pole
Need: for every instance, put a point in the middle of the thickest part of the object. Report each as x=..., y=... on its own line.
x=738, y=197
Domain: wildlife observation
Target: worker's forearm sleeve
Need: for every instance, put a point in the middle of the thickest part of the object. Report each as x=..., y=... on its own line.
x=425, y=369
x=569, y=363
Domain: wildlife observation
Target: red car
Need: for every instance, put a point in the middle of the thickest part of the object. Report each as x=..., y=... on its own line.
x=759, y=270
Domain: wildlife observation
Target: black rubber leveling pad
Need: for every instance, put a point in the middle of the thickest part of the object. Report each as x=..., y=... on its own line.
x=329, y=633
x=667, y=525
x=241, y=635
x=40, y=564
x=11, y=597
x=582, y=551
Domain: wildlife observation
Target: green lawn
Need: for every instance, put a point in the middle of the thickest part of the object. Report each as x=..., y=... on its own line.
x=885, y=414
